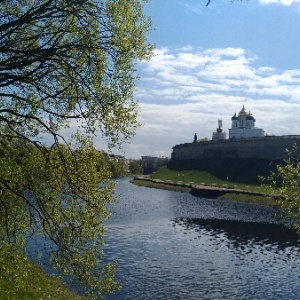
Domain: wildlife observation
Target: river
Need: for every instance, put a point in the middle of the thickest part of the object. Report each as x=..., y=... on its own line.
x=172, y=245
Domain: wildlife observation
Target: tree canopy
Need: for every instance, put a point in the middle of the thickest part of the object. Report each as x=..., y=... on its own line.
x=65, y=63
x=284, y=186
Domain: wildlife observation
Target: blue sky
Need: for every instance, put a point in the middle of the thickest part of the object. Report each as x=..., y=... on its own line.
x=209, y=62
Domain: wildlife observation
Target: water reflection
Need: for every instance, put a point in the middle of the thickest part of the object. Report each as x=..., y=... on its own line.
x=175, y=246
x=241, y=233
x=205, y=259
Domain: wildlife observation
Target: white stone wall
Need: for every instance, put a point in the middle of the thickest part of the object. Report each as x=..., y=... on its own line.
x=238, y=133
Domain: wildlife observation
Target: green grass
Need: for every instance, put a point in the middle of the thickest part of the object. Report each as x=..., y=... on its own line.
x=238, y=173
x=239, y=170
x=229, y=196
x=249, y=198
x=197, y=177
x=23, y=280
x=147, y=183
x=201, y=178
x=242, y=174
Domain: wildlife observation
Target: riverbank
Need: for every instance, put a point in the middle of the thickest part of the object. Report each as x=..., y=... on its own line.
x=205, y=191
x=172, y=243
x=23, y=280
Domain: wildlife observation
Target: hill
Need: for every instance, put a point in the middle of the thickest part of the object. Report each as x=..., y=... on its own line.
x=236, y=171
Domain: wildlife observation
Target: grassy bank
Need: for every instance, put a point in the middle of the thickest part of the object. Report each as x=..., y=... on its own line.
x=250, y=198
x=24, y=280
x=150, y=184
x=204, y=178
x=234, y=171
x=237, y=174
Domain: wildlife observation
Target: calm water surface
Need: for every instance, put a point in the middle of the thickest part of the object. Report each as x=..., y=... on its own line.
x=172, y=245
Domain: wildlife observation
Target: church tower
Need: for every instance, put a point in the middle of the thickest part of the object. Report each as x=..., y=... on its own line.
x=243, y=126
x=219, y=134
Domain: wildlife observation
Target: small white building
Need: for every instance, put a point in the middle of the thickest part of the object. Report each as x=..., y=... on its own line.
x=243, y=126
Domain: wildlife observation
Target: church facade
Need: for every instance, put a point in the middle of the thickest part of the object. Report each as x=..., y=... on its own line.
x=243, y=126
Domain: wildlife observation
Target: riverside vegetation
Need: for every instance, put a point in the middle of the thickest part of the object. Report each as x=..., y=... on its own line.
x=68, y=74
x=33, y=284
x=239, y=174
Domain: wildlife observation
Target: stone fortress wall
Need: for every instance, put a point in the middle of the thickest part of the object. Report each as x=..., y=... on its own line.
x=269, y=147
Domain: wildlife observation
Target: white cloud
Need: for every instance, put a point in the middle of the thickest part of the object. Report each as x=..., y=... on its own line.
x=197, y=8
x=187, y=90
x=192, y=6
x=184, y=72
x=282, y=2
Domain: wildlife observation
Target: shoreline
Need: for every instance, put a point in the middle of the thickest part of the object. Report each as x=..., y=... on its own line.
x=205, y=191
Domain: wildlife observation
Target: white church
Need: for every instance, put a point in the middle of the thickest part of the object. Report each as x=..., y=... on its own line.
x=242, y=126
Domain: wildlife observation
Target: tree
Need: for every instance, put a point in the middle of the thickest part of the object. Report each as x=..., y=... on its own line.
x=135, y=167
x=118, y=168
x=203, y=139
x=152, y=164
x=284, y=186
x=65, y=63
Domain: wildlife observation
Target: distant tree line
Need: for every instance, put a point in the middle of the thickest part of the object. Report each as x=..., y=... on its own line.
x=152, y=164
x=122, y=167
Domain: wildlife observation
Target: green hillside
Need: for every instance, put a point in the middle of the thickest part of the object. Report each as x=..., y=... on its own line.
x=217, y=171
x=21, y=279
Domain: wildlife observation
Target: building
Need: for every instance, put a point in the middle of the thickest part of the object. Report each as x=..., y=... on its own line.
x=219, y=134
x=243, y=126
x=245, y=142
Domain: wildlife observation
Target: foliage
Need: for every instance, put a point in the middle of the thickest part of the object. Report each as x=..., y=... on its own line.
x=33, y=284
x=65, y=64
x=62, y=194
x=135, y=167
x=203, y=140
x=284, y=185
x=118, y=168
x=150, y=165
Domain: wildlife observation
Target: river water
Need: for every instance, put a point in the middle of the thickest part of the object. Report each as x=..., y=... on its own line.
x=171, y=245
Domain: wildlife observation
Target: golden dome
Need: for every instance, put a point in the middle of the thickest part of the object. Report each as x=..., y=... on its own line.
x=243, y=112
